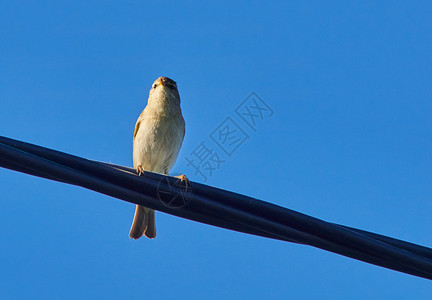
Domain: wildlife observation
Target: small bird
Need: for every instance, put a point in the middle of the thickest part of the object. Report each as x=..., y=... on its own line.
x=158, y=136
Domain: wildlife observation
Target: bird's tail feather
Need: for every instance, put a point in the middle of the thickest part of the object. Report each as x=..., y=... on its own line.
x=150, y=232
x=143, y=223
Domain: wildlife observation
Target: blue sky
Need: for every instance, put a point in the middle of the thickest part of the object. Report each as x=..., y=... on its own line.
x=349, y=141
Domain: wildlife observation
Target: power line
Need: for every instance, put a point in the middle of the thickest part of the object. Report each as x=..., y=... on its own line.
x=216, y=207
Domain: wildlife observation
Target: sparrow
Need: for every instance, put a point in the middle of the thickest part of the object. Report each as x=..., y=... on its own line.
x=157, y=139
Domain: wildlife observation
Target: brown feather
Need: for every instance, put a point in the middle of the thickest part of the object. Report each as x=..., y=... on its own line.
x=140, y=223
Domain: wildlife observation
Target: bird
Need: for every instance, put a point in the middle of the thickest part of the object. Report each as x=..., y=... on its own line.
x=158, y=137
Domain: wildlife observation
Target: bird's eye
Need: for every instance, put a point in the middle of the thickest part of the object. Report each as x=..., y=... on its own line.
x=154, y=85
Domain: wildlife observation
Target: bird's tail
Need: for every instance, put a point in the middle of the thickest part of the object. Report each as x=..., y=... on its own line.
x=143, y=223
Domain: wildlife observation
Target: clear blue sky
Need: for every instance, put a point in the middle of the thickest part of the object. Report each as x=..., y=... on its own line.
x=349, y=141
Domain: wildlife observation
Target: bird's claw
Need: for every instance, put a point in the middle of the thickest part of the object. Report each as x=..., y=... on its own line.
x=140, y=170
x=183, y=178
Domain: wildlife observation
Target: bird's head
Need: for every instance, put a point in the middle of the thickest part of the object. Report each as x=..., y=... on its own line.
x=166, y=88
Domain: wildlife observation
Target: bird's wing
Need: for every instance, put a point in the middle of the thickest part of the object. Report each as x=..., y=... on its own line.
x=137, y=125
x=184, y=132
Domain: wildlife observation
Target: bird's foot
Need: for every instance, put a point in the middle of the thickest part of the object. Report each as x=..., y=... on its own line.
x=183, y=178
x=140, y=170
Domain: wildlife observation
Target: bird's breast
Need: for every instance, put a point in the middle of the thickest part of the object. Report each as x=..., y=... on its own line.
x=158, y=140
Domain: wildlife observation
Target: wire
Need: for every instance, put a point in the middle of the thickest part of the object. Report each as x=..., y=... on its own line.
x=216, y=207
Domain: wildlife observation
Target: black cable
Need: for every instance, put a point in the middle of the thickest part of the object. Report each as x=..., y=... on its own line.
x=216, y=207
